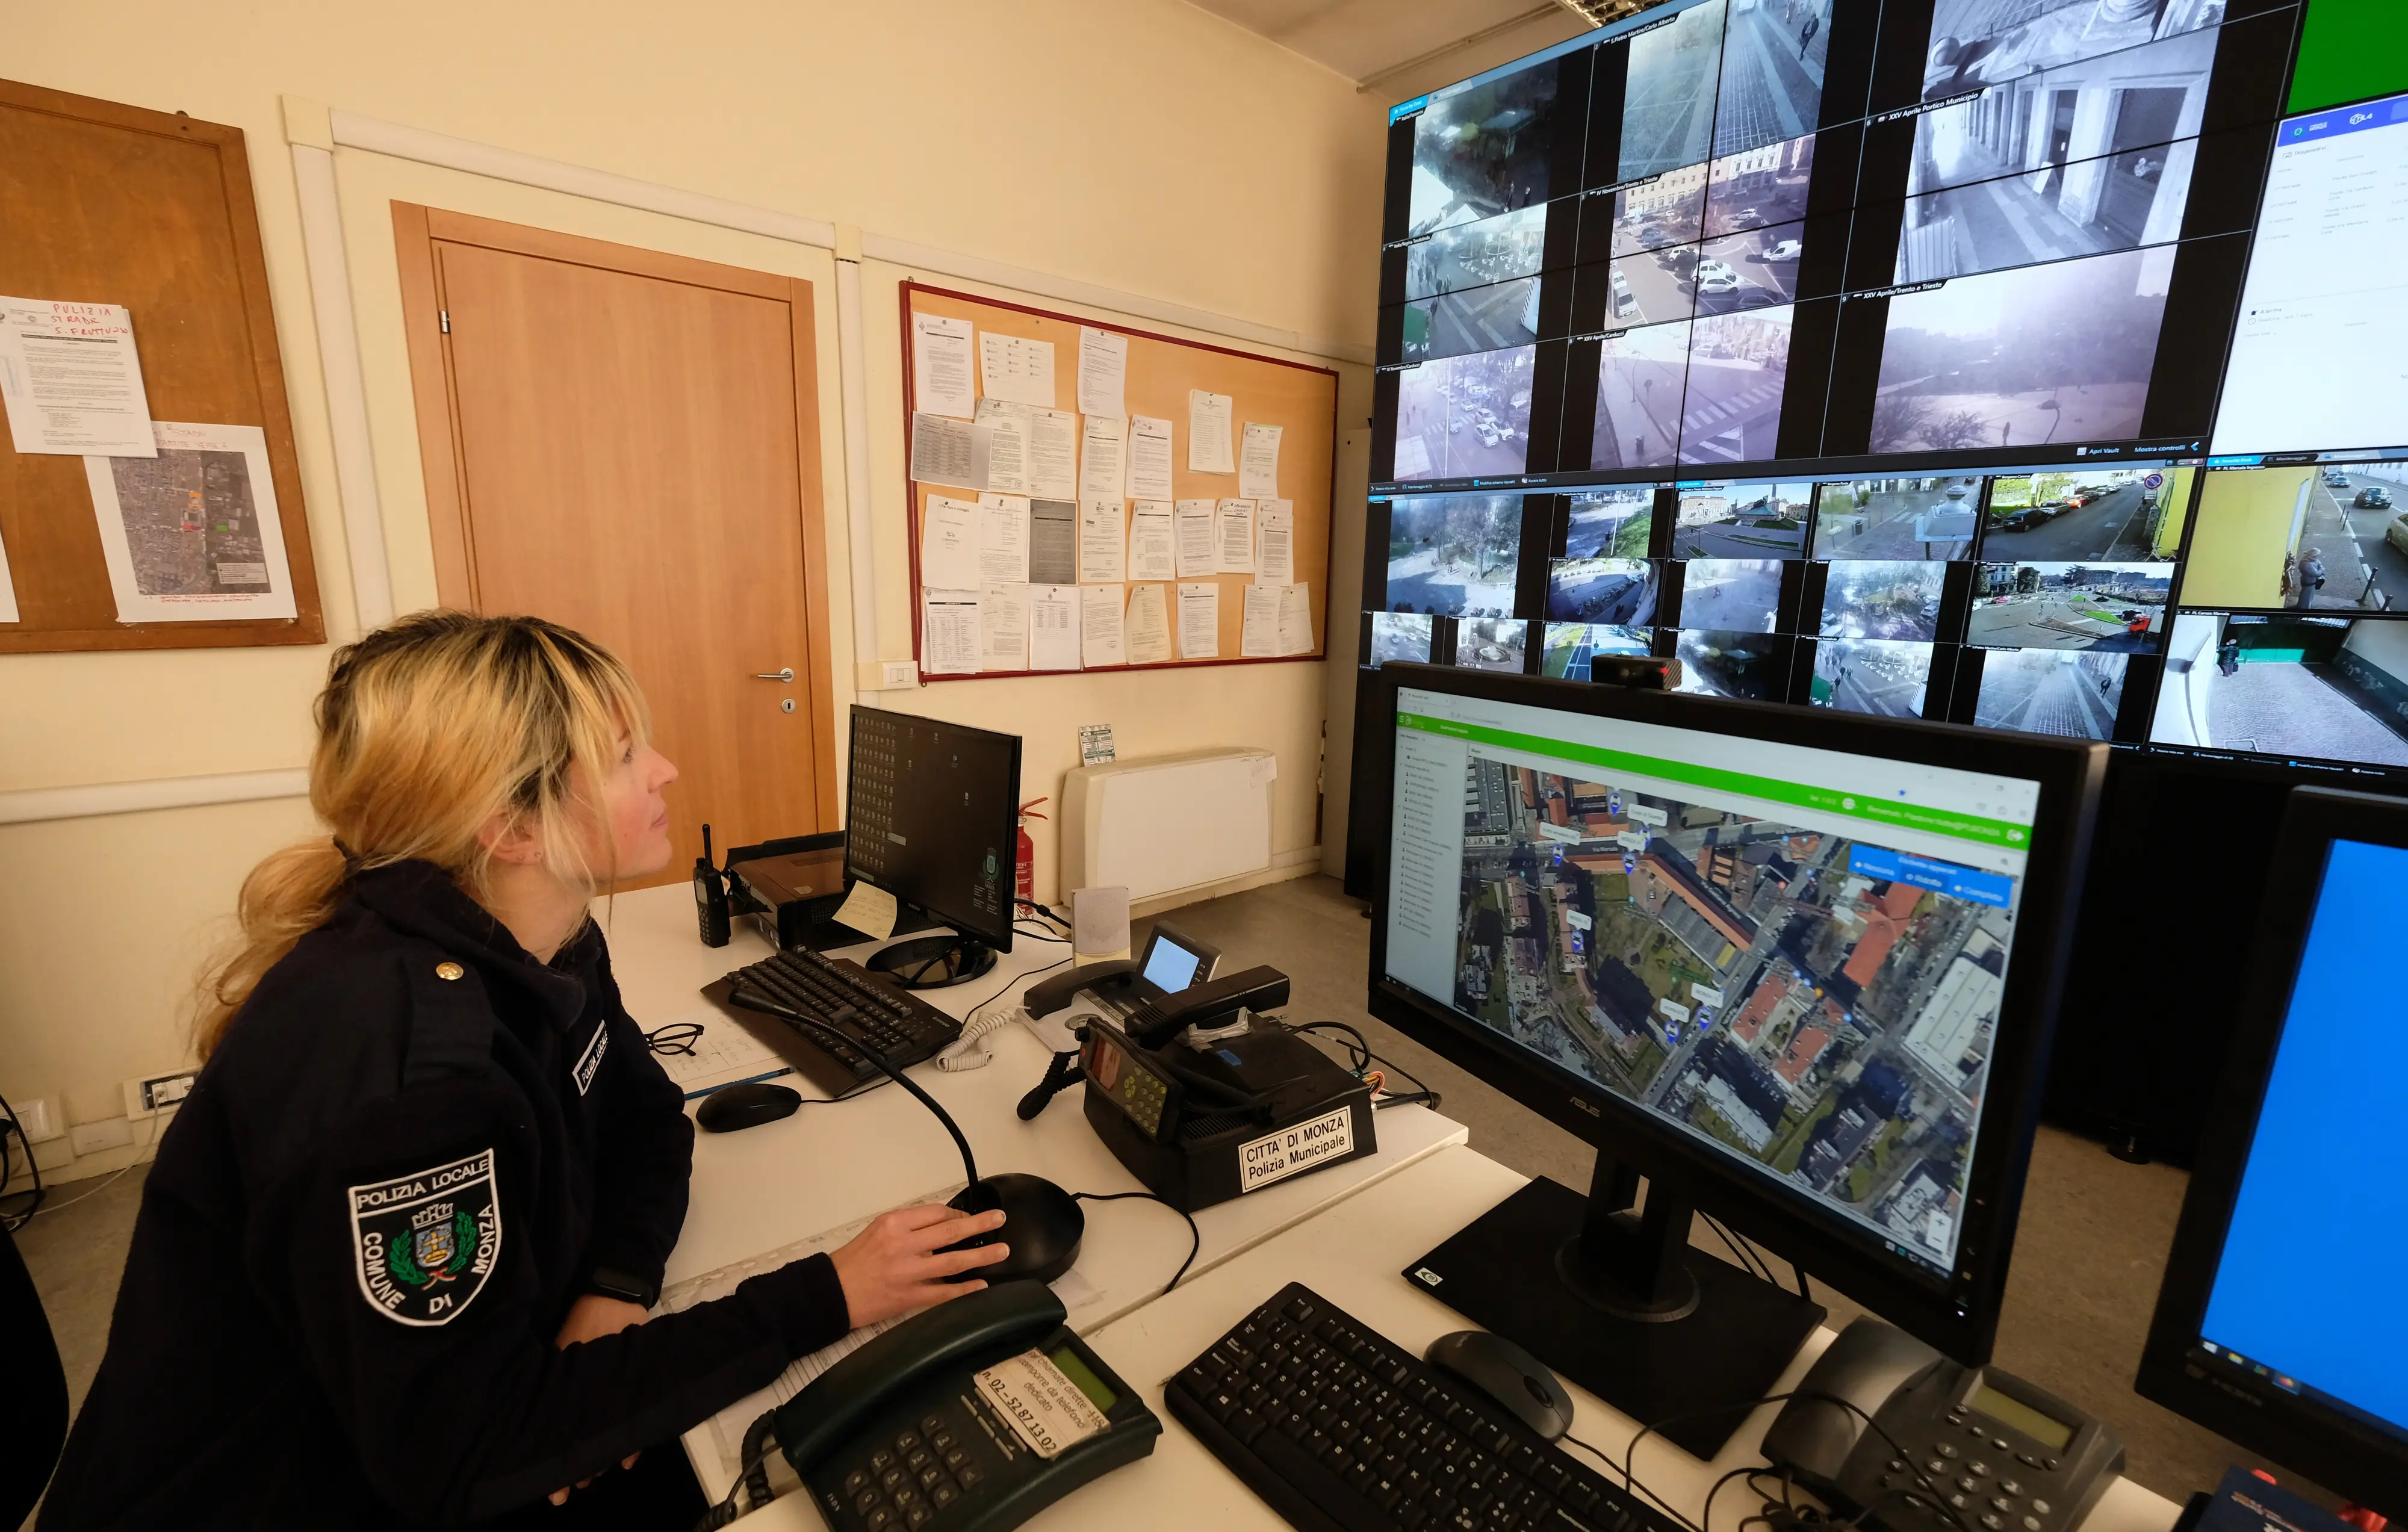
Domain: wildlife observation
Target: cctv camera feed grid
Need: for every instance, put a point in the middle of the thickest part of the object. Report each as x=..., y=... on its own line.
x=1736, y=231
x=930, y=817
x=1791, y=977
x=2015, y=545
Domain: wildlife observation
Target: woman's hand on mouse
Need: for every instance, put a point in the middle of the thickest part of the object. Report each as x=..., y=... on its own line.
x=899, y=1262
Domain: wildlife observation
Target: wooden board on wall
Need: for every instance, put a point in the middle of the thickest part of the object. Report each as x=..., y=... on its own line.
x=1300, y=399
x=103, y=203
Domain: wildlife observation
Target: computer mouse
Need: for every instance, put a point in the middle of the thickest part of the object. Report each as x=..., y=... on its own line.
x=1507, y=1374
x=1042, y=1225
x=746, y=1104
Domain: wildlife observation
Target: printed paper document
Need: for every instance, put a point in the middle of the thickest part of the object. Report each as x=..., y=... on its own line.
x=1235, y=536
x=1152, y=553
x=8, y=589
x=1017, y=369
x=1275, y=542
x=1053, y=542
x=1003, y=539
x=1149, y=470
x=949, y=452
x=1103, y=372
x=1053, y=453
x=941, y=383
x=1099, y=625
x=1054, y=627
x=1258, y=639
x=948, y=544
x=1149, y=627
x=1103, y=544
x=1006, y=445
x=191, y=533
x=1195, y=538
x=1258, y=468
x=949, y=633
x=71, y=379
x=1003, y=626
x=1103, y=450
x=1199, y=621
x=1295, y=620
x=1208, y=432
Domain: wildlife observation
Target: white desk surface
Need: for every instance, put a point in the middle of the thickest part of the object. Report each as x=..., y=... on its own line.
x=758, y=1190
x=1353, y=1253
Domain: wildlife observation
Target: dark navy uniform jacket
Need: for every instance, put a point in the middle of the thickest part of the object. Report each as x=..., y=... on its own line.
x=369, y=1220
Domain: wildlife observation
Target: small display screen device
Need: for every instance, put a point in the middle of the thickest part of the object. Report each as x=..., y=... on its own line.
x=2051, y=1434
x=1173, y=962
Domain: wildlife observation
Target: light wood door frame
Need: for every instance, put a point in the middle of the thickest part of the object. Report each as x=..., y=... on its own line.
x=416, y=231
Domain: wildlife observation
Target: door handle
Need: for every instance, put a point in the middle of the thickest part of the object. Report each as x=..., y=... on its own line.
x=786, y=675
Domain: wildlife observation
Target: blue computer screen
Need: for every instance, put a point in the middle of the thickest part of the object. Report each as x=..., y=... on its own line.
x=2307, y=1289
x=1171, y=967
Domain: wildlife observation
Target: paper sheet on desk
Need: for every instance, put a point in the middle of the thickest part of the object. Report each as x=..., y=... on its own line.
x=725, y=1052
x=728, y=1426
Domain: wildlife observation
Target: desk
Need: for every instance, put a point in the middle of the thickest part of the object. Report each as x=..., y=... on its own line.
x=832, y=1163
x=1351, y=1253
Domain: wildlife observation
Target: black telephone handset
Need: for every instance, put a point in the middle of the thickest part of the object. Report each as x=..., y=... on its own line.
x=973, y=1415
x=1111, y=980
x=1976, y=1448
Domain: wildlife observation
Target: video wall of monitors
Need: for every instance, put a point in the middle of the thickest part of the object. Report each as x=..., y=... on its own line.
x=1921, y=357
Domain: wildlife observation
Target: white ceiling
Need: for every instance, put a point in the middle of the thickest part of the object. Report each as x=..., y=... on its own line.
x=1433, y=41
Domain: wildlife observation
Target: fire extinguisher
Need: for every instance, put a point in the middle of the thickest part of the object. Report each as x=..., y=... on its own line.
x=1024, y=874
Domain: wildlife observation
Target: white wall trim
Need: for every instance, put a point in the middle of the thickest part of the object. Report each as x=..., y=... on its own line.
x=353, y=131
x=35, y=805
x=347, y=399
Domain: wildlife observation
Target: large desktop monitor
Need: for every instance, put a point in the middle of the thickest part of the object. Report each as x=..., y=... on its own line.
x=1797, y=971
x=2280, y=1323
x=932, y=816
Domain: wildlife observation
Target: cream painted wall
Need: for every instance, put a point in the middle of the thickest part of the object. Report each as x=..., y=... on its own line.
x=1162, y=153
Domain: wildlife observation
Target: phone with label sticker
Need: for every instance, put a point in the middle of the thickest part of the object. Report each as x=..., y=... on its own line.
x=970, y=1417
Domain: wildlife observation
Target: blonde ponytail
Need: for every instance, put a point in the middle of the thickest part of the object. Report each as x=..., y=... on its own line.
x=427, y=730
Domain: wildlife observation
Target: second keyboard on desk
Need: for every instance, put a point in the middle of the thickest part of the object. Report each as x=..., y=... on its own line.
x=1341, y=1430
x=874, y=1016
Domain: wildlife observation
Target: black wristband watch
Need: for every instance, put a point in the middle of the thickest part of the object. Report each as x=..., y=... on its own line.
x=610, y=1283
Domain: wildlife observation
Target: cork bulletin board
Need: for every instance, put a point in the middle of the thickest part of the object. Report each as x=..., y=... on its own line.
x=102, y=203
x=1300, y=399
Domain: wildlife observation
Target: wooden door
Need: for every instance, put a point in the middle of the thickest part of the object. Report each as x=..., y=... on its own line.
x=626, y=442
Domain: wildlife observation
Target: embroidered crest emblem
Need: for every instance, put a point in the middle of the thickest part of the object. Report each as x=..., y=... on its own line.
x=588, y=1063
x=425, y=1244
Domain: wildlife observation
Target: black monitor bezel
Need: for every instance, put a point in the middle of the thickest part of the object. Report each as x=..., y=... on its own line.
x=1958, y=1315
x=2328, y=1445
x=998, y=939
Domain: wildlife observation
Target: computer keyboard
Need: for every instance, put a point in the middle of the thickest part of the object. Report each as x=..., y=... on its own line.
x=877, y=1016
x=1341, y=1430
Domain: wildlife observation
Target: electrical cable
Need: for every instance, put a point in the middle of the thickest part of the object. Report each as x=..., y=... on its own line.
x=1938, y=1505
x=1195, y=1238
x=1364, y=1058
x=725, y=1511
x=1750, y=1258
x=1599, y=1453
x=13, y=1222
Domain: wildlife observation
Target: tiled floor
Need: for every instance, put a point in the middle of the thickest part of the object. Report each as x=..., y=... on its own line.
x=2093, y=1238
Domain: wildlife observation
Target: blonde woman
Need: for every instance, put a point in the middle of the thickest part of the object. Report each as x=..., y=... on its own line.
x=394, y=1261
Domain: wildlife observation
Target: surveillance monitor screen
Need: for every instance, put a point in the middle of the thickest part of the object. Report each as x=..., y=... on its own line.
x=1731, y=235
x=1742, y=939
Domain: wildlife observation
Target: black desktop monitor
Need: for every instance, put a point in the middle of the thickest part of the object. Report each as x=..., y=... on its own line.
x=1798, y=972
x=2281, y=1322
x=932, y=816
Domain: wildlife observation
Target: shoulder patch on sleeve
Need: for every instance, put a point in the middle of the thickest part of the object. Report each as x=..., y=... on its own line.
x=423, y=1244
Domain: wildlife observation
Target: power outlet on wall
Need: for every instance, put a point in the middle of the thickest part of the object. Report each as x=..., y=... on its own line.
x=901, y=673
x=156, y=1094
x=36, y=1118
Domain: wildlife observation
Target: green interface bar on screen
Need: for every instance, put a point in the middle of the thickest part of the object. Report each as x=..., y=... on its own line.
x=1868, y=807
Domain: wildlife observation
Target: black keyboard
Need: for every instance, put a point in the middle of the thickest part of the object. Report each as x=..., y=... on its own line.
x=875, y=1016
x=1342, y=1431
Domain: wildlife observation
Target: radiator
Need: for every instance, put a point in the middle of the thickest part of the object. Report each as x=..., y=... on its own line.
x=1169, y=823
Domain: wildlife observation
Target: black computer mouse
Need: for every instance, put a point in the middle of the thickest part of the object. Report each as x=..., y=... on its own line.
x=1507, y=1374
x=1042, y=1225
x=746, y=1104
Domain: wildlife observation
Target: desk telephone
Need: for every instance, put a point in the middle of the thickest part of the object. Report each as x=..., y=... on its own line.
x=970, y=1417
x=2001, y=1454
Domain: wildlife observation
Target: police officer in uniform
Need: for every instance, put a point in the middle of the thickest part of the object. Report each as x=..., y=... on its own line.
x=395, y=1260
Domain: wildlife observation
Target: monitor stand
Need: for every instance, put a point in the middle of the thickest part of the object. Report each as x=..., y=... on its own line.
x=1618, y=1302
x=933, y=963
